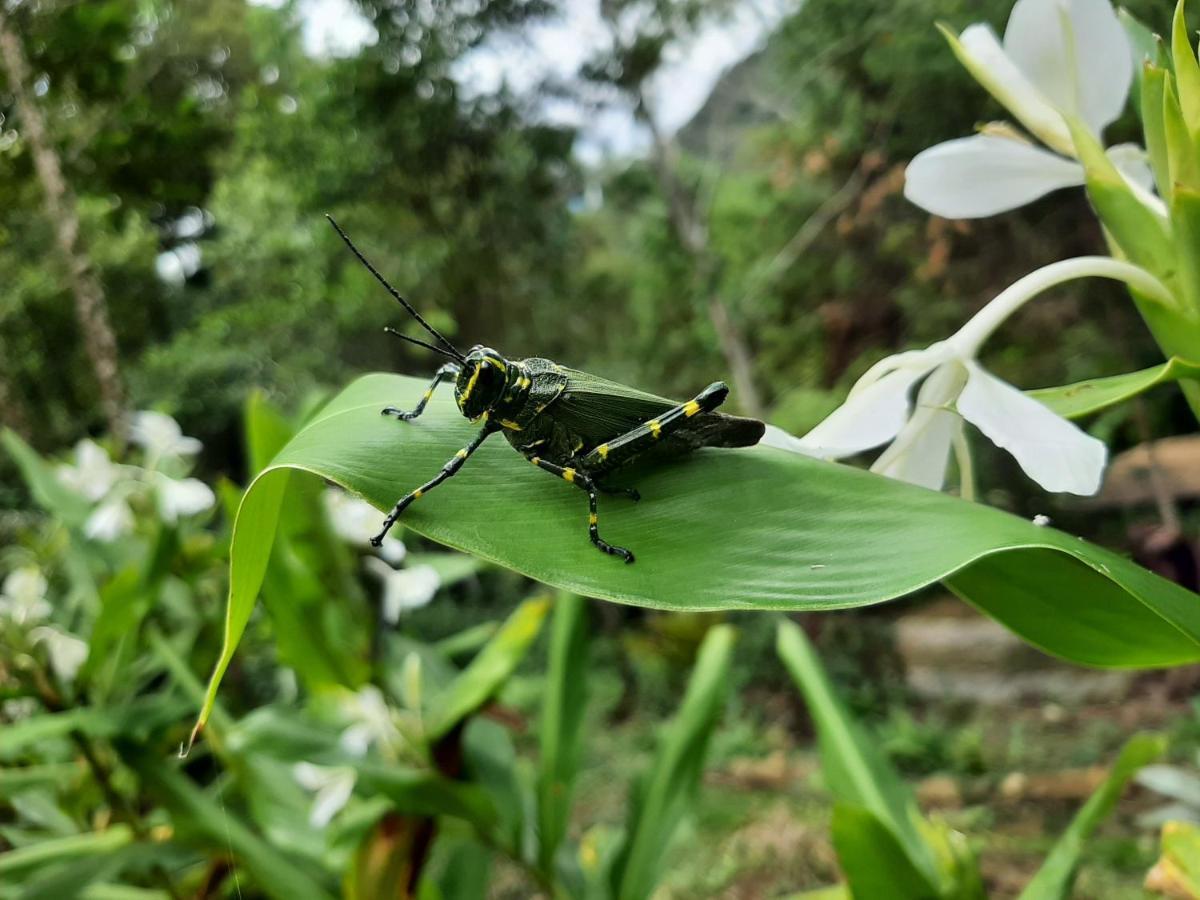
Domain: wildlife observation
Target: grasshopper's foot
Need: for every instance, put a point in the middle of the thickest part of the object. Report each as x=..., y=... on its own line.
x=605, y=547
x=398, y=413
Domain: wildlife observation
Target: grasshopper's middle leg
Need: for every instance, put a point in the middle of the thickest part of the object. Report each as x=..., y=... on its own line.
x=450, y=468
x=584, y=481
x=445, y=373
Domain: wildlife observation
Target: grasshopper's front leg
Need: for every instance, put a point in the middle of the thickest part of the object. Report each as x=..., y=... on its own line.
x=450, y=468
x=445, y=373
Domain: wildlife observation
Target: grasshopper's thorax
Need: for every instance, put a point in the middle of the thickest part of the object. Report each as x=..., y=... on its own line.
x=490, y=385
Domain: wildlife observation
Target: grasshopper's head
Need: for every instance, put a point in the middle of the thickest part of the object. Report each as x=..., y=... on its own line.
x=481, y=382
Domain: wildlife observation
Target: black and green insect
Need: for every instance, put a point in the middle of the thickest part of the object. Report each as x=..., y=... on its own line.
x=574, y=425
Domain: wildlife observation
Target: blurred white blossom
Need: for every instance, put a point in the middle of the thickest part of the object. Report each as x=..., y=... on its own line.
x=110, y=520
x=332, y=785
x=66, y=652
x=93, y=474
x=181, y=497
x=1059, y=59
x=23, y=596
x=404, y=589
x=356, y=521
x=161, y=436
x=370, y=721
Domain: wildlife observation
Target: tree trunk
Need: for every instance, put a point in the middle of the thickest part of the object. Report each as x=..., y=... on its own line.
x=692, y=233
x=91, y=311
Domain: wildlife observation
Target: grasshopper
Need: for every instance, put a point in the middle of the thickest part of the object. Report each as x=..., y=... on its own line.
x=576, y=426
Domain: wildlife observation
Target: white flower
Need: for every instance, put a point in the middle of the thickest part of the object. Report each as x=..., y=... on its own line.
x=110, y=520
x=356, y=521
x=161, y=435
x=1052, y=451
x=332, y=785
x=181, y=497
x=404, y=589
x=66, y=651
x=23, y=596
x=371, y=721
x=1060, y=58
x=93, y=474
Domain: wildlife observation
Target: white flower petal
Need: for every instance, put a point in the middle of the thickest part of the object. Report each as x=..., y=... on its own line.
x=979, y=50
x=869, y=417
x=23, y=597
x=66, y=652
x=182, y=497
x=356, y=521
x=781, y=440
x=1052, y=451
x=921, y=452
x=309, y=776
x=93, y=473
x=1133, y=162
x=109, y=521
x=1076, y=53
x=330, y=799
x=161, y=435
x=984, y=175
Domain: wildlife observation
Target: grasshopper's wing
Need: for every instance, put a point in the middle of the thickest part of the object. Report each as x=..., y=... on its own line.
x=599, y=410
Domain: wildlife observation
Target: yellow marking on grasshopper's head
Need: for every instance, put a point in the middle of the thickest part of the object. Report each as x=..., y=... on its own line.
x=569, y=475
x=691, y=408
x=603, y=451
x=655, y=427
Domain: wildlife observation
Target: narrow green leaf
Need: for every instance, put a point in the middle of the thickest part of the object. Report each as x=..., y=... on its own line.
x=1153, y=85
x=1179, y=864
x=1086, y=397
x=1053, y=880
x=13, y=780
x=1187, y=71
x=1181, y=149
x=662, y=798
x=421, y=792
x=18, y=862
x=48, y=492
x=872, y=860
x=277, y=875
x=856, y=771
x=1185, y=215
x=487, y=672
x=1140, y=232
x=562, y=722
x=267, y=431
x=788, y=532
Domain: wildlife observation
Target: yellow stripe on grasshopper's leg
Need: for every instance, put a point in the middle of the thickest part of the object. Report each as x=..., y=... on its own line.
x=584, y=481
x=449, y=469
x=622, y=448
x=445, y=373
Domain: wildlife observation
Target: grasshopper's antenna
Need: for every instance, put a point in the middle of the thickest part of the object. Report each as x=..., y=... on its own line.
x=412, y=340
x=457, y=354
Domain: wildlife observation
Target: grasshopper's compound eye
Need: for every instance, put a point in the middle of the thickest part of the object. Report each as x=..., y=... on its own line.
x=479, y=385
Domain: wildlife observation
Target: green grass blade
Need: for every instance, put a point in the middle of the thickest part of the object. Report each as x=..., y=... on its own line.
x=1086, y=397
x=1053, y=880
x=872, y=860
x=562, y=722
x=662, y=797
x=488, y=671
x=725, y=529
x=16, y=863
x=858, y=775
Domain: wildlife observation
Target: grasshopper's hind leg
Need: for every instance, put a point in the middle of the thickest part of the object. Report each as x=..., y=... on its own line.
x=632, y=443
x=583, y=481
x=445, y=373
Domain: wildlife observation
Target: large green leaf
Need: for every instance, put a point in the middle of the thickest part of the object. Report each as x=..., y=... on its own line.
x=859, y=776
x=1054, y=878
x=1086, y=397
x=872, y=859
x=725, y=529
